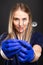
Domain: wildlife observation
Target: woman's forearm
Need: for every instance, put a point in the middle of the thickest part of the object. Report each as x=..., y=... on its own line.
x=37, y=52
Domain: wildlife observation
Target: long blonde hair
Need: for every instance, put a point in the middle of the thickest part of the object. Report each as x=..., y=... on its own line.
x=28, y=32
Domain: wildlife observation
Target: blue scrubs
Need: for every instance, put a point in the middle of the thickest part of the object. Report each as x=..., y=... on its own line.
x=37, y=38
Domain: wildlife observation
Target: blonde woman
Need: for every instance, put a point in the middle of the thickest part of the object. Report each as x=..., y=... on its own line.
x=21, y=46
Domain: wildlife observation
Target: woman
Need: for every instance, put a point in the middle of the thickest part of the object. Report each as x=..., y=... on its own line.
x=21, y=46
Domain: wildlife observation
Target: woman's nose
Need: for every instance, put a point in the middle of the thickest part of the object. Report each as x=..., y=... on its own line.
x=21, y=23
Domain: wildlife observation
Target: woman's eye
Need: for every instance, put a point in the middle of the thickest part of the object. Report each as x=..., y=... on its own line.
x=16, y=19
x=24, y=19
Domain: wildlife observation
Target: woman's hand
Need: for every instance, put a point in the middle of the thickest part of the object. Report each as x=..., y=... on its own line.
x=26, y=53
x=10, y=47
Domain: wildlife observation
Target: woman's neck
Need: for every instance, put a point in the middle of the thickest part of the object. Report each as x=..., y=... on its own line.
x=20, y=35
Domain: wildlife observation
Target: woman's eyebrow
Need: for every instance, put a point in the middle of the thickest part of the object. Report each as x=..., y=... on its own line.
x=24, y=18
x=15, y=18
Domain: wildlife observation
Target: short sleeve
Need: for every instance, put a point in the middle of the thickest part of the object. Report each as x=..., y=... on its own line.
x=37, y=38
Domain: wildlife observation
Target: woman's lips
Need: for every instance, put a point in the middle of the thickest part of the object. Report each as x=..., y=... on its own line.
x=20, y=28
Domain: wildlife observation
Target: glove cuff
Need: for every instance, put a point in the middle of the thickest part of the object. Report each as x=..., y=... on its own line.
x=4, y=56
x=32, y=57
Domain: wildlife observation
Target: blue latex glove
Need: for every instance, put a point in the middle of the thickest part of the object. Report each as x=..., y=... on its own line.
x=26, y=53
x=10, y=47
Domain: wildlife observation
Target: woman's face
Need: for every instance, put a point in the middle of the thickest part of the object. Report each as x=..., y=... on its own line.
x=20, y=20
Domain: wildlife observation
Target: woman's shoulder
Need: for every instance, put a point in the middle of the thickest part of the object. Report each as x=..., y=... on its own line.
x=37, y=35
x=37, y=38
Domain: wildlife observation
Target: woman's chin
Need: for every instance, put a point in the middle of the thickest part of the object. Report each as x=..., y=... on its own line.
x=21, y=31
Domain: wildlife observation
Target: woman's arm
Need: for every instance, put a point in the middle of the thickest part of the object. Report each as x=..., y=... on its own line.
x=37, y=50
